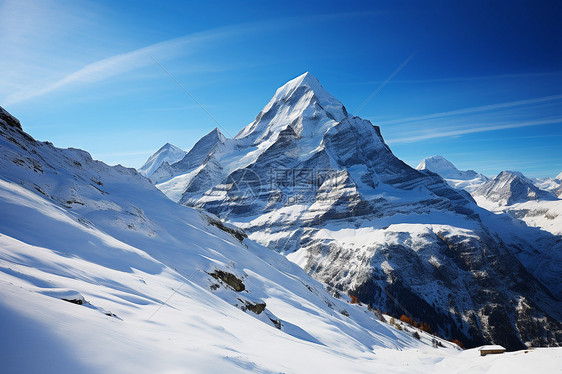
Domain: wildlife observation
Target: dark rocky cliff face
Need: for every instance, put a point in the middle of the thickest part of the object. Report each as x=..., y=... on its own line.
x=6, y=119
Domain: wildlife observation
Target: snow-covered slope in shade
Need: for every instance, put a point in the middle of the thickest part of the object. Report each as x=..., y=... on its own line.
x=311, y=181
x=468, y=180
x=100, y=272
x=518, y=196
x=168, y=153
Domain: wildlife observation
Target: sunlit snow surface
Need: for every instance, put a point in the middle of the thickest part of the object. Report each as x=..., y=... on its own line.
x=134, y=267
x=167, y=319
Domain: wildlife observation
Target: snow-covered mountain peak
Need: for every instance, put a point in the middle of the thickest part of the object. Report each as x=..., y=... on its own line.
x=468, y=180
x=305, y=80
x=167, y=153
x=301, y=104
x=320, y=186
x=510, y=187
x=216, y=134
x=559, y=177
x=438, y=164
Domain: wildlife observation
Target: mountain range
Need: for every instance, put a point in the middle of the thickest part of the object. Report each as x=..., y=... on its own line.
x=534, y=201
x=320, y=186
x=300, y=245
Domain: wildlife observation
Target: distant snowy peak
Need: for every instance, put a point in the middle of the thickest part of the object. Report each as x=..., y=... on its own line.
x=510, y=187
x=559, y=177
x=547, y=184
x=201, y=150
x=302, y=105
x=468, y=180
x=192, y=159
x=167, y=153
x=440, y=165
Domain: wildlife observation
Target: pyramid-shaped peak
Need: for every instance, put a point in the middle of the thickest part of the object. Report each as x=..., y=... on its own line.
x=216, y=135
x=168, y=146
x=306, y=81
x=302, y=102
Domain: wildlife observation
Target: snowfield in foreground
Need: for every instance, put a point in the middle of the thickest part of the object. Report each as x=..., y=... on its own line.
x=100, y=272
x=140, y=315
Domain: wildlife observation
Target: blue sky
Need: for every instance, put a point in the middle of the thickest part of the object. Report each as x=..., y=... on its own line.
x=479, y=83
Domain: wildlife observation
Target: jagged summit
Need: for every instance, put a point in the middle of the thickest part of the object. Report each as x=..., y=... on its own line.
x=217, y=133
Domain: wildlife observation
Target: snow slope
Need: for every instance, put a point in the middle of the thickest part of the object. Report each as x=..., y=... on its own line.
x=100, y=272
x=311, y=181
x=468, y=180
x=168, y=153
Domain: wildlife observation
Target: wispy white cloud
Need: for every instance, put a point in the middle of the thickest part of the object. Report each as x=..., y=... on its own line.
x=121, y=63
x=452, y=133
x=384, y=83
x=166, y=50
x=473, y=78
x=478, y=109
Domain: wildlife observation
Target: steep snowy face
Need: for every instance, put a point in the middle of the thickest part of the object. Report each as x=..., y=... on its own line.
x=510, y=187
x=105, y=259
x=167, y=153
x=311, y=181
x=559, y=177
